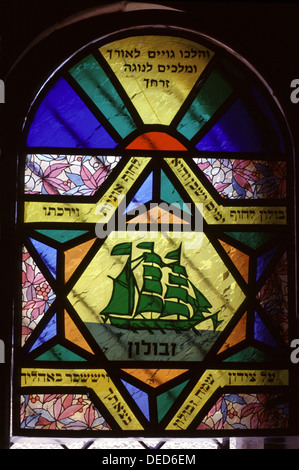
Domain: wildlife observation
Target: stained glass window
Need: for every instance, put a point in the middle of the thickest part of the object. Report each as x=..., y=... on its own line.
x=155, y=293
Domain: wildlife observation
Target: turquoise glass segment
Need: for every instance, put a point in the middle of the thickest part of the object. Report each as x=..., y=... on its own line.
x=211, y=96
x=93, y=80
x=170, y=195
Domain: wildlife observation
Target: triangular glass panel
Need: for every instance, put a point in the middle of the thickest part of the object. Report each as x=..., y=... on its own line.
x=59, y=353
x=157, y=215
x=237, y=335
x=48, y=332
x=143, y=195
x=263, y=261
x=249, y=354
x=239, y=131
x=170, y=195
x=261, y=332
x=141, y=78
x=63, y=120
x=240, y=259
x=74, y=256
x=140, y=397
x=48, y=254
x=73, y=334
x=167, y=399
x=252, y=239
x=62, y=236
x=155, y=377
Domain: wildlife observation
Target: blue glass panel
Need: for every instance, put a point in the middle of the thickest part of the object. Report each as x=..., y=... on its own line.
x=265, y=109
x=63, y=120
x=49, y=332
x=238, y=131
x=139, y=397
x=143, y=195
x=261, y=333
x=47, y=254
x=263, y=261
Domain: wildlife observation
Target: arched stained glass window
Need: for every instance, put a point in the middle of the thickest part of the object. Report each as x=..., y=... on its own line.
x=155, y=297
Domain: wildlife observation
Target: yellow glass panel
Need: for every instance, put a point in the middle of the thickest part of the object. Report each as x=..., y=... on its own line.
x=96, y=379
x=73, y=334
x=218, y=214
x=157, y=72
x=211, y=380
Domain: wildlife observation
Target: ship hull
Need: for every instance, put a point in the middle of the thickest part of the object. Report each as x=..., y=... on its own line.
x=152, y=324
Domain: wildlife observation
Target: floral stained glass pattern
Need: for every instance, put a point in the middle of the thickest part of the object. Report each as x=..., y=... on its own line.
x=245, y=179
x=60, y=412
x=247, y=411
x=38, y=295
x=69, y=175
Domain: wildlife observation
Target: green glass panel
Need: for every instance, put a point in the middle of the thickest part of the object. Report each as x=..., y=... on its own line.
x=177, y=280
x=153, y=258
x=170, y=195
x=249, y=354
x=152, y=271
x=212, y=95
x=152, y=285
x=175, y=308
x=59, y=353
x=252, y=239
x=122, y=300
x=176, y=293
x=166, y=400
x=149, y=303
x=93, y=80
x=62, y=236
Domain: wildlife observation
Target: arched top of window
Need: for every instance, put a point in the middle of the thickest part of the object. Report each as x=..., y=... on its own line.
x=135, y=80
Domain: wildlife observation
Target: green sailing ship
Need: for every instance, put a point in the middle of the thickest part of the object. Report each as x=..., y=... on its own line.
x=176, y=304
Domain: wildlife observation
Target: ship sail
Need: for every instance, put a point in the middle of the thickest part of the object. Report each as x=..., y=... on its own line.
x=150, y=299
x=175, y=308
x=124, y=285
x=149, y=303
x=159, y=304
